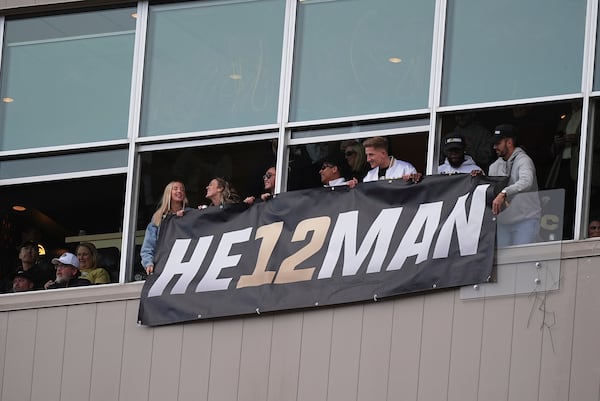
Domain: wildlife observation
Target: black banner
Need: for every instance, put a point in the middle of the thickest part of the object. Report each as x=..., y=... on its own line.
x=322, y=246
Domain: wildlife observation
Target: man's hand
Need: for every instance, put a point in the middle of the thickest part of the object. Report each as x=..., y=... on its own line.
x=499, y=203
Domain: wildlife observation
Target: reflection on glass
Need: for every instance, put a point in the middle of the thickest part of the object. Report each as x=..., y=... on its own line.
x=512, y=49
x=63, y=164
x=209, y=67
x=361, y=57
x=66, y=79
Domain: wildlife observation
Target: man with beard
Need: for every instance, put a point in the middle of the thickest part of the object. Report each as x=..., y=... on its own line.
x=457, y=161
x=518, y=204
x=67, y=273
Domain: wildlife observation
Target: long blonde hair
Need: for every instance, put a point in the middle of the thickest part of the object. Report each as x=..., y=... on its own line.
x=229, y=194
x=92, y=250
x=165, y=203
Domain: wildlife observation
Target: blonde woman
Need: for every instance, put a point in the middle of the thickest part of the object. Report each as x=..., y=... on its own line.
x=354, y=152
x=220, y=192
x=174, y=201
x=87, y=254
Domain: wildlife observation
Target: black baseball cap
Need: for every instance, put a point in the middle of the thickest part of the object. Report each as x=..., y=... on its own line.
x=504, y=131
x=453, y=141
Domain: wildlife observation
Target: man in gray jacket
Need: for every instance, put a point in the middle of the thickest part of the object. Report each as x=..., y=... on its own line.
x=518, y=204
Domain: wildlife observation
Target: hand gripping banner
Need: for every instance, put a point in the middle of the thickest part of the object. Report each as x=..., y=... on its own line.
x=322, y=246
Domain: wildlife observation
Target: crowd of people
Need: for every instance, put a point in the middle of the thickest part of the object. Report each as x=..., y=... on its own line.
x=517, y=205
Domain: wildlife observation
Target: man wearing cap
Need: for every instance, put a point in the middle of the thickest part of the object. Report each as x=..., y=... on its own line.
x=334, y=170
x=22, y=281
x=457, y=161
x=518, y=204
x=67, y=273
x=384, y=166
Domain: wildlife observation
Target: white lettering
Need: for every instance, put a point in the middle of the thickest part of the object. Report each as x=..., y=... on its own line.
x=223, y=260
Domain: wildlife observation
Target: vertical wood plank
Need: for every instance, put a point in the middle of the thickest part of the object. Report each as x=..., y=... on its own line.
x=165, y=362
x=18, y=362
x=405, y=352
x=195, y=361
x=3, y=334
x=255, y=357
x=558, y=338
x=375, y=350
x=435, y=345
x=108, y=351
x=526, y=348
x=79, y=345
x=49, y=351
x=585, y=374
x=345, y=353
x=465, y=354
x=496, y=348
x=225, y=360
x=314, y=355
x=137, y=352
x=285, y=357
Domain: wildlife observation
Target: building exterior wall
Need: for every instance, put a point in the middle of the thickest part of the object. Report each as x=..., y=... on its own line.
x=437, y=346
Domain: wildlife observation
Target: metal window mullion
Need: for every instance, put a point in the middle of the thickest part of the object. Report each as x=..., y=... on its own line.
x=285, y=85
x=133, y=174
x=585, y=142
x=435, y=85
x=2, y=20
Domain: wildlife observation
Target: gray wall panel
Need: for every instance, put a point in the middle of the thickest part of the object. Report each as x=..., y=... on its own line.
x=314, y=355
x=49, y=353
x=195, y=361
x=108, y=351
x=18, y=358
x=495, y=349
x=345, y=353
x=585, y=372
x=435, y=346
x=375, y=348
x=465, y=356
x=405, y=352
x=255, y=358
x=137, y=353
x=3, y=334
x=165, y=363
x=225, y=360
x=558, y=338
x=285, y=357
x=79, y=346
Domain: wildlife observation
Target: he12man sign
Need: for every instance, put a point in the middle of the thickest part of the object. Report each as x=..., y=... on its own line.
x=322, y=246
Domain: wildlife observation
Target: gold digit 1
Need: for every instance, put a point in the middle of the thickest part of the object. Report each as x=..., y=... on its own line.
x=287, y=272
x=269, y=234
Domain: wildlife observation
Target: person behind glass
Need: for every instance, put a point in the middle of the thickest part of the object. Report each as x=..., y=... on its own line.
x=269, y=186
x=220, y=192
x=594, y=228
x=385, y=166
x=354, y=152
x=457, y=161
x=334, y=171
x=518, y=204
x=87, y=254
x=173, y=202
x=67, y=273
x=22, y=282
x=29, y=258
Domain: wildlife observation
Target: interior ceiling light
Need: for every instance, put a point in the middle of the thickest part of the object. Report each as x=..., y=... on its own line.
x=563, y=116
x=395, y=60
x=235, y=76
x=8, y=99
x=134, y=15
x=19, y=208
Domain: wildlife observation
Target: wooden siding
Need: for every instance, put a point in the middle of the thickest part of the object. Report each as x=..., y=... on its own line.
x=437, y=346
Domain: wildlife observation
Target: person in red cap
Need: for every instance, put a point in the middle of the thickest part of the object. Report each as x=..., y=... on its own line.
x=67, y=273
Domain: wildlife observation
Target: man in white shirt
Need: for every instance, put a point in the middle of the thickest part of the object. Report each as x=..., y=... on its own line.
x=385, y=166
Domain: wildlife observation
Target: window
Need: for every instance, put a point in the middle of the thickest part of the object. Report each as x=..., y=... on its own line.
x=212, y=65
x=66, y=79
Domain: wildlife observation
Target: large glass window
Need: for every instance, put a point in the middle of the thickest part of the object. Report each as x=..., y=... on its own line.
x=212, y=65
x=66, y=79
x=361, y=57
x=501, y=50
x=549, y=135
